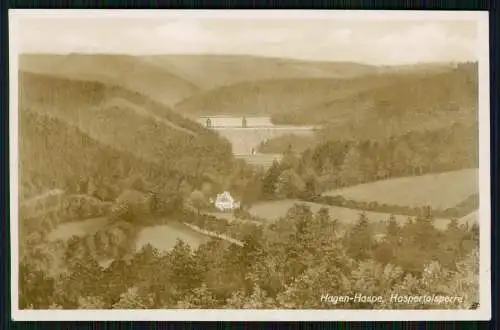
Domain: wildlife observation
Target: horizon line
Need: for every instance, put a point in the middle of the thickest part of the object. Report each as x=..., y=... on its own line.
x=296, y=59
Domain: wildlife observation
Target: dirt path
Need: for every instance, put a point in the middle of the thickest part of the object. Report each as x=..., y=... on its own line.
x=142, y=112
x=213, y=234
x=43, y=195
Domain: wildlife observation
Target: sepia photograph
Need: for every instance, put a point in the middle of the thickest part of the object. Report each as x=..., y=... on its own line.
x=249, y=165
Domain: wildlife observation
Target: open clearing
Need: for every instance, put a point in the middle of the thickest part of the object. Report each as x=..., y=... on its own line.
x=67, y=230
x=440, y=191
x=276, y=209
x=470, y=218
x=164, y=237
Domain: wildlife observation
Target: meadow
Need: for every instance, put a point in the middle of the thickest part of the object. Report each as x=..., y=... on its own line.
x=164, y=237
x=440, y=191
x=82, y=228
x=277, y=209
x=470, y=218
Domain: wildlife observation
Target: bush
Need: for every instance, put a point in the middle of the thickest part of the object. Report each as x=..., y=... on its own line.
x=122, y=211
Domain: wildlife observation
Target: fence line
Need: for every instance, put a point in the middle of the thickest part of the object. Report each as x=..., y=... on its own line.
x=214, y=234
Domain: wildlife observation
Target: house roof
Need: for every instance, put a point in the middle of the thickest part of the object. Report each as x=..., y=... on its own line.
x=224, y=195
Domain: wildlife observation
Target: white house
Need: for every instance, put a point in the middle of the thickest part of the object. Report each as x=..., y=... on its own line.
x=225, y=202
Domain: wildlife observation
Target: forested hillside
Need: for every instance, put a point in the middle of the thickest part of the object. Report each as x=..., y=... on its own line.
x=315, y=100
x=277, y=96
x=406, y=103
x=414, y=153
x=330, y=165
x=53, y=154
x=451, y=93
x=435, y=104
x=128, y=122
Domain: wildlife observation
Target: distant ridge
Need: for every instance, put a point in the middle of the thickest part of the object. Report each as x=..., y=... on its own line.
x=125, y=121
x=127, y=71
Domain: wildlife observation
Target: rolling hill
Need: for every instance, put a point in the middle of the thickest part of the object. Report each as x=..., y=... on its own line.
x=414, y=103
x=292, y=91
x=61, y=151
x=170, y=79
x=130, y=72
x=271, y=97
x=314, y=100
x=213, y=71
x=126, y=121
x=440, y=190
x=71, y=131
x=393, y=106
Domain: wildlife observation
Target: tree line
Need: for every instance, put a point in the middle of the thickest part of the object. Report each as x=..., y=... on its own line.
x=338, y=163
x=468, y=205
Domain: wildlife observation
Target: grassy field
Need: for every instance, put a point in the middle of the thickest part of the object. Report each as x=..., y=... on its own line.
x=440, y=191
x=81, y=228
x=162, y=237
x=277, y=209
x=165, y=237
x=470, y=218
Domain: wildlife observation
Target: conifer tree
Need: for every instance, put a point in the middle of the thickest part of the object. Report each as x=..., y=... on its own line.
x=350, y=170
x=359, y=239
x=270, y=180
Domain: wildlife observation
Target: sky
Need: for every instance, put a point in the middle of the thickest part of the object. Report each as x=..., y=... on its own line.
x=372, y=41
